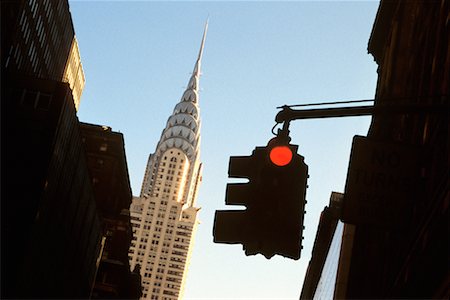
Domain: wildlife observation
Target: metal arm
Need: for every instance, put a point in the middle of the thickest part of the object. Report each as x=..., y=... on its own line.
x=288, y=114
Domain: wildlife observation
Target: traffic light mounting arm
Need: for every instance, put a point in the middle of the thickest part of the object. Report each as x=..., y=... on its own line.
x=288, y=114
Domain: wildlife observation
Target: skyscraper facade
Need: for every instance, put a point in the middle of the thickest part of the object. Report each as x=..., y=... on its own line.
x=51, y=237
x=40, y=35
x=74, y=74
x=164, y=217
x=38, y=39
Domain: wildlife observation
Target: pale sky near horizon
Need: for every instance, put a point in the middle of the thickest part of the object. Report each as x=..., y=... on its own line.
x=138, y=57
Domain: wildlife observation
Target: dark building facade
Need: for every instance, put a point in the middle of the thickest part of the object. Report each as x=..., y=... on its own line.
x=36, y=37
x=105, y=150
x=409, y=258
x=106, y=158
x=397, y=191
x=65, y=186
x=51, y=234
x=325, y=232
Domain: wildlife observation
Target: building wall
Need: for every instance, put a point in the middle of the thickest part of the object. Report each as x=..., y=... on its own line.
x=38, y=39
x=41, y=38
x=323, y=245
x=74, y=74
x=409, y=258
x=163, y=229
x=105, y=150
x=108, y=169
x=51, y=234
x=50, y=231
x=326, y=285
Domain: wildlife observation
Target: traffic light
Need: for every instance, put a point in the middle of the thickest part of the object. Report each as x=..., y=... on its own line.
x=274, y=197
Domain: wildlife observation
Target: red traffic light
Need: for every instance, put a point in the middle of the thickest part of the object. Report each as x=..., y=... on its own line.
x=280, y=155
x=274, y=198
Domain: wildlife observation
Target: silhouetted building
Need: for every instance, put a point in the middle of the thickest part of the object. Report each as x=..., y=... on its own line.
x=74, y=74
x=136, y=283
x=37, y=37
x=407, y=255
x=325, y=232
x=51, y=234
x=164, y=217
x=38, y=40
x=107, y=163
x=105, y=150
x=397, y=191
x=326, y=276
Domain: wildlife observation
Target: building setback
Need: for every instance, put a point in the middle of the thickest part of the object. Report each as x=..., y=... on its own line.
x=74, y=74
x=164, y=217
x=106, y=159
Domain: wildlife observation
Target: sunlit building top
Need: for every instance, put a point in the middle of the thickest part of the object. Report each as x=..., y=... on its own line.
x=164, y=217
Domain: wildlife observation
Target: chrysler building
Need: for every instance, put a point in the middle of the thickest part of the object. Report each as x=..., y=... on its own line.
x=164, y=217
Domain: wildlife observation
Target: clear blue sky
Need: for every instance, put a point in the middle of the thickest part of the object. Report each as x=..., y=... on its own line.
x=137, y=58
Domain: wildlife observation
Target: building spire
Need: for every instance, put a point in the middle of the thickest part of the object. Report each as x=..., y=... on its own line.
x=200, y=52
x=183, y=126
x=182, y=132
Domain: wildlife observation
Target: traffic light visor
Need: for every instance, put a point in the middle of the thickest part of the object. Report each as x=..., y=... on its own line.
x=280, y=155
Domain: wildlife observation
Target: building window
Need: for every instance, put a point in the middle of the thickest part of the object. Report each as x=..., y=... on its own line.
x=30, y=99
x=44, y=101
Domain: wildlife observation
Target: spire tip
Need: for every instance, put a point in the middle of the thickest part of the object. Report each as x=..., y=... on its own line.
x=200, y=53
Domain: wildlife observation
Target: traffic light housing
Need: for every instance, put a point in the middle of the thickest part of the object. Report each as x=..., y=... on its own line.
x=274, y=197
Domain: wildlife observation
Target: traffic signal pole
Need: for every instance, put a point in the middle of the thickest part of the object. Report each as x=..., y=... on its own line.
x=288, y=114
